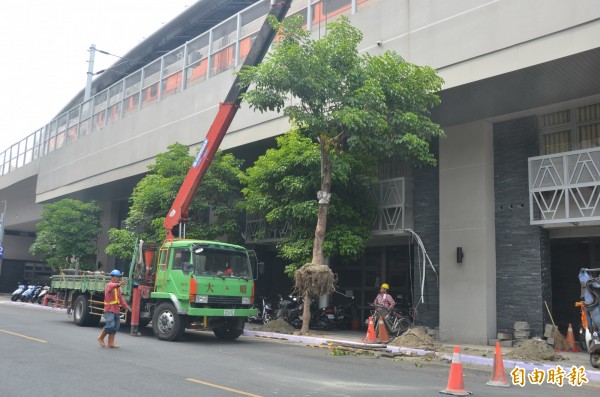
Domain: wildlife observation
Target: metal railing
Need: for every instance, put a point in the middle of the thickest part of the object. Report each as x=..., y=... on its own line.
x=564, y=187
x=223, y=47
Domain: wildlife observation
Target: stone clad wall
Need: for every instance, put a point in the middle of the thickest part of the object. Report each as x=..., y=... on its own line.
x=522, y=250
x=427, y=226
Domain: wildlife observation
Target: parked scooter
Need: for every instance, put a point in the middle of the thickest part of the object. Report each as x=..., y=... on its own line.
x=16, y=295
x=265, y=313
x=294, y=311
x=43, y=292
x=344, y=315
x=590, y=306
x=290, y=310
x=36, y=293
x=27, y=294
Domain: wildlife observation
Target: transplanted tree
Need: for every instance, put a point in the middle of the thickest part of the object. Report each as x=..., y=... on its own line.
x=66, y=237
x=153, y=195
x=345, y=102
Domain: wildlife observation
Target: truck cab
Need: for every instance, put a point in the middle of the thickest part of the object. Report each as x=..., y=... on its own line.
x=197, y=284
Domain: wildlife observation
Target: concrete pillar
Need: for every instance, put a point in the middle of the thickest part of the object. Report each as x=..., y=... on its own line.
x=110, y=219
x=467, y=289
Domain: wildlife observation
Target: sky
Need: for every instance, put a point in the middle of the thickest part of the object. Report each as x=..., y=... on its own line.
x=45, y=48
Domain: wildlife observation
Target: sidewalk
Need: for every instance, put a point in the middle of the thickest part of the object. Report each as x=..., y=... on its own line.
x=467, y=356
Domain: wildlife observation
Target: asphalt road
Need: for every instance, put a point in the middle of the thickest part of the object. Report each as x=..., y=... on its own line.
x=43, y=353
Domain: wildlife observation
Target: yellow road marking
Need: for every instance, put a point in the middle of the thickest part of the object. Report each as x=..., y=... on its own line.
x=222, y=387
x=23, y=336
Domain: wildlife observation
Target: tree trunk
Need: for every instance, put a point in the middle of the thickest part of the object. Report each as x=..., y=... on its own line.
x=323, y=196
x=317, y=256
x=306, y=314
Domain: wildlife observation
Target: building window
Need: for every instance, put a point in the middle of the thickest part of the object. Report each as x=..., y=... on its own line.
x=37, y=273
x=571, y=129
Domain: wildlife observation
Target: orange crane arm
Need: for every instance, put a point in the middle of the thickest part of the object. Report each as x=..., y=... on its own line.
x=178, y=214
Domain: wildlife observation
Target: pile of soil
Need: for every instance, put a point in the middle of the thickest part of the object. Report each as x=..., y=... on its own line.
x=279, y=325
x=534, y=350
x=416, y=338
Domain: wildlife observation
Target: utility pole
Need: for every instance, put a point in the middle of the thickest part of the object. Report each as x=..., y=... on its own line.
x=90, y=73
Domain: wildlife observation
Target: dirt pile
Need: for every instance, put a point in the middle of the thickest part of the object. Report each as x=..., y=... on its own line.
x=416, y=338
x=279, y=325
x=534, y=350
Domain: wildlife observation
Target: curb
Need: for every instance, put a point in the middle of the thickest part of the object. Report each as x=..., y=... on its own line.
x=33, y=306
x=593, y=376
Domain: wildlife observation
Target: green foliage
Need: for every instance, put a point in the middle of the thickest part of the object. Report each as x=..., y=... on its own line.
x=154, y=194
x=374, y=104
x=348, y=103
x=282, y=185
x=121, y=244
x=66, y=236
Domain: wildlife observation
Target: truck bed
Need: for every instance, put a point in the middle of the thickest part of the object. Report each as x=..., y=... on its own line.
x=84, y=282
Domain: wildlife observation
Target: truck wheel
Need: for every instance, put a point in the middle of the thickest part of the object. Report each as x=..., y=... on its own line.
x=230, y=331
x=81, y=308
x=166, y=323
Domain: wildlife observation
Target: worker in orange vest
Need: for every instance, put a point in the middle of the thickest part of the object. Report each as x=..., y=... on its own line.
x=113, y=301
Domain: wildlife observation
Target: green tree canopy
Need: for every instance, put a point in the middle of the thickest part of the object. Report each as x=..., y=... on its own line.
x=66, y=236
x=281, y=186
x=344, y=101
x=153, y=195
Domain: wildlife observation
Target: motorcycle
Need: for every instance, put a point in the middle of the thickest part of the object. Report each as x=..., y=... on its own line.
x=36, y=293
x=294, y=311
x=264, y=314
x=289, y=310
x=43, y=292
x=16, y=295
x=344, y=315
x=590, y=307
x=26, y=295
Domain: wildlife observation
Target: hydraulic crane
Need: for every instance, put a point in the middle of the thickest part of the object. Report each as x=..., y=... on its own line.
x=178, y=214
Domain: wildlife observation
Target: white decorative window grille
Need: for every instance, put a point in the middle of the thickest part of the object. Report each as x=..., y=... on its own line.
x=565, y=187
x=389, y=196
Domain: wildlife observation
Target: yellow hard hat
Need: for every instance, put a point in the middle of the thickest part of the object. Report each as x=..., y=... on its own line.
x=385, y=285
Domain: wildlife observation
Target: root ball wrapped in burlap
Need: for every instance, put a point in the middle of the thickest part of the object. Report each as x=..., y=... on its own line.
x=314, y=280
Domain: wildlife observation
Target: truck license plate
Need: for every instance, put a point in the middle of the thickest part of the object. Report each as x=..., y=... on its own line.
x=228, y=312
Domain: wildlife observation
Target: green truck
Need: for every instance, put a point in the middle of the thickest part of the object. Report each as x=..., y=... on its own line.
x=184, y=283
x=205, y=285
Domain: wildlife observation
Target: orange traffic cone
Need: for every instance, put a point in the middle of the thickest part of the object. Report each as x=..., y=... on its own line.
x=383, y=334
x=456, y=384
x=498, y=375
x=571, y=339
x=370, y=337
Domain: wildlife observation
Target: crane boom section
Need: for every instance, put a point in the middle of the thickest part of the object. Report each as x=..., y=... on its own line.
x=179, y=210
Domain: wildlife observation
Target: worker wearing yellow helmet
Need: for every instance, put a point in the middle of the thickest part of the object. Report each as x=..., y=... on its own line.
x=384, y=300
